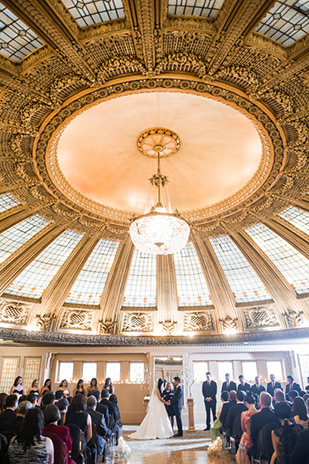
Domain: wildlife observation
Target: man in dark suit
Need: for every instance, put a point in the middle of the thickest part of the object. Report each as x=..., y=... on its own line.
x=228, y=385
x=9, y=413
x=291, y=386
x=233, y=423
x=301, y=450
x=225, y=408
x=265, y=416
x=111, y=409
x=243, y=386
x=14, y=425
x=100, y=433
x=257, y=388
x=209, y=390
x=272, y=385
x=177, y=405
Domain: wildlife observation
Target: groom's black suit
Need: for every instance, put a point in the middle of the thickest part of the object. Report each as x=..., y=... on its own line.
x=177, y=406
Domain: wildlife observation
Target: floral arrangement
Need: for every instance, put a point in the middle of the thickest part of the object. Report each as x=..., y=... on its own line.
x=124, y=451
x=215, y=449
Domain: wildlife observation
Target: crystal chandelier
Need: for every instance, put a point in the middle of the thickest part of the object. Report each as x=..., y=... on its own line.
x=159, y=231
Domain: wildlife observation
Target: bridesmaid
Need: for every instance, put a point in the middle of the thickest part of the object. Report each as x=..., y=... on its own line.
x=46, y=387
x=109, y=386
x=17, y=386
x=79, y=390
x=34, y=387
x=92, y=387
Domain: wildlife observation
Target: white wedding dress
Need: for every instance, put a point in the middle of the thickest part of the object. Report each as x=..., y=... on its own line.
x=156, y=423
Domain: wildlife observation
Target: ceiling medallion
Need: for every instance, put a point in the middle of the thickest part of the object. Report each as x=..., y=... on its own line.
x=167, y=139
x=159, y=231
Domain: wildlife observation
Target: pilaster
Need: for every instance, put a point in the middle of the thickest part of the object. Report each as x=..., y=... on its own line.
x=16, y=214
x=167, y=293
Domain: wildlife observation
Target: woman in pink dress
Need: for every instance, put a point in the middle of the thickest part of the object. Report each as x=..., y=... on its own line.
x=245, y=441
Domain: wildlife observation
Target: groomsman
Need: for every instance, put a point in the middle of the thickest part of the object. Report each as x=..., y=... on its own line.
x=257, y=388
x=292, y=385
x=177, y=405
x=272, y=385
x=228, y=385
x=209, y=390
x=243, y=386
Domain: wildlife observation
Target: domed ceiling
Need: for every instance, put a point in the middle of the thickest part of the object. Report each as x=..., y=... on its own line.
x=79, y=82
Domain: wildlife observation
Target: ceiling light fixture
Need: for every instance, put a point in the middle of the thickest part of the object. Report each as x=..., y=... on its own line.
x=159, y=231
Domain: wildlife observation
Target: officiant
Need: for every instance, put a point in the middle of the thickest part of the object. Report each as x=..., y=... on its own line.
x=168, y=395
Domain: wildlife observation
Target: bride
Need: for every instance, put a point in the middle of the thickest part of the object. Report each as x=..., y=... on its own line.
x=156, y=423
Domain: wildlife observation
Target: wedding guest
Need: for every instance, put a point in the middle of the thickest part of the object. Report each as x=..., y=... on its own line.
x=307, y=387
x=51, y=418
x=79, y=389
x=284, y=446
x=233, y=422
x=3, y=397
x=215, y=429
x=17, y=386
x=300, y=453
x=9, y=413
x=77, y=415
x=291, y=385
x=257, y=387
x=46, y=387
x=104, y=408
x=34, y=399
x=243, y=386
x=228, y=385
x=93, y=387
x=62, y=405
x=64, y=387
x=225, y=410
x=177, y=405
x=292, y=395
x=279, y=396
x=300, y=412
x=34, y=387
x=30, y=445
x=168, y=396
x=100, y=432
x=263, y=417
x=209, y=391
x=48, y=398
x=109, y=386
x=272, y=385
x=112, y=412
x=14, y=425
x=245, y=441
x=114, y=400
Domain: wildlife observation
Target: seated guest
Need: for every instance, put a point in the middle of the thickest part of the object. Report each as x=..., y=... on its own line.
x=59, y=395
x=300, y=453
x=48, y=398
x=257, y=387
x=111, y=410
x=263, y=417
x=30, y=445
x=228, y=385
x=51, y=417
x=291, y=385
x=3, y=397
x=292, y=395
x=233, y=422
x=279, y=396
x=9, y=413
x=34, y=399
x=215, y=429
x=109, y=386
x=17, y=386
x=14, y=425
x=244, y=386
x=100, y=433
x=62, y=405
x=93, y=387
x=79, y=389
x=272, y=385
x=245, y=441
x=284, y=437
x=300, y=412
x=225, y=410
x=103, y=409
x=46, y=387
x=34, y=387
x=307, y=387
x=77, y=415
x=22, y=398
x=114, y=400
x=64, y=388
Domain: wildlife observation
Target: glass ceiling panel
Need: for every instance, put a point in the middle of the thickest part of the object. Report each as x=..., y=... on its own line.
x=16, y=236
x=16, y=39
x=297, y=217
x=192, y=288
x=32, y=282
x=242, y=278
x=141, y=285
x=88, y=12
x=292, y=264
x=204, y=8
x=286, y=21
x=7, y=201
x=89, y=285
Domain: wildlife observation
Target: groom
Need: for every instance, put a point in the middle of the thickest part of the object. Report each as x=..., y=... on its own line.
x=177, y=405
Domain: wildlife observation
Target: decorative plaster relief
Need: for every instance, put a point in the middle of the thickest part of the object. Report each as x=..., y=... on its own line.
x=199, y=321
x=137, y=322
x=14, y=312
x=259, y=317
x=80, y=320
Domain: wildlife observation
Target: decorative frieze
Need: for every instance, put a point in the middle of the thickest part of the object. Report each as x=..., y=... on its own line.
x=13, y=312
x=46, y=322
x=137, y=322
x=260, y=317
x=199, y=321
x=80, y=320
x=294, y=318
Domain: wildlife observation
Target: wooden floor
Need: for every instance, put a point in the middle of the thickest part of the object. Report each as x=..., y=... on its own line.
x=173, y=457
